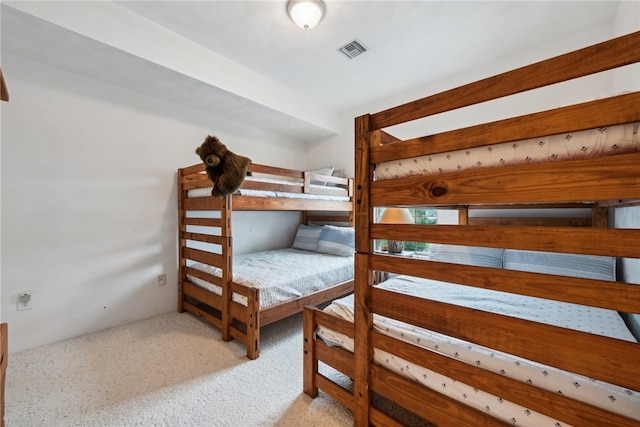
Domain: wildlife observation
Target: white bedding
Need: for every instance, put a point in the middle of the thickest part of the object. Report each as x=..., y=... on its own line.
x=204, y=192
x=587, y=319
x=588, y=143
x=282, y=274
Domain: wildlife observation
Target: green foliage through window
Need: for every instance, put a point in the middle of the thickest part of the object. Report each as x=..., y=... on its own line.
x=420, y=216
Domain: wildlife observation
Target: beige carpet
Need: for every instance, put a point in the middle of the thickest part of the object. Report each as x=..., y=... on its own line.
x=170, y=370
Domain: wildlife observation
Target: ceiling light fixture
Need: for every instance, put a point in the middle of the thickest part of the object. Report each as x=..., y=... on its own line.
x=306, y=13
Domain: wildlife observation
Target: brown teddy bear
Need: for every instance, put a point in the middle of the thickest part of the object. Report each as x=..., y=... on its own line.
x=225, y=169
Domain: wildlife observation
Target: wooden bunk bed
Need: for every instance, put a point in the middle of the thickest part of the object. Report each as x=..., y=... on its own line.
x=205, y=238
x=600, y=183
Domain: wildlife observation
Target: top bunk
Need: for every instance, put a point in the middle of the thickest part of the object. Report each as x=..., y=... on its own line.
x=586, y=153
x=269, y=188
x=571, y=153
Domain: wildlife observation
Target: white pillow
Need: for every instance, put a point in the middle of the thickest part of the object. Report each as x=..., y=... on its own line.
x=322, y=171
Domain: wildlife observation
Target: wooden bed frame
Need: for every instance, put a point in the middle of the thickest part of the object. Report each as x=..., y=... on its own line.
x=600, y=183
x=234, y=320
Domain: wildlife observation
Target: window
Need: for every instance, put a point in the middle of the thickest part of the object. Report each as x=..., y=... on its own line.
x=422, y=216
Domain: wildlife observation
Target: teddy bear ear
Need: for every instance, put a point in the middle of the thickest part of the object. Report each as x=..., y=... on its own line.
x=198, y=151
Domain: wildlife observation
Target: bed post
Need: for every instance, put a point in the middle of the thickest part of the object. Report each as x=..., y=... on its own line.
x=463, y=216
x=362, y=317
x=181, y=241
x=227, y=270
x=599, y=217
x=310, y=360
x=253, y=324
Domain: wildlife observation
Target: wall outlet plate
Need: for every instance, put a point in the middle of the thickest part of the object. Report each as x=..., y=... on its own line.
x=24, y=301
x=162, y=279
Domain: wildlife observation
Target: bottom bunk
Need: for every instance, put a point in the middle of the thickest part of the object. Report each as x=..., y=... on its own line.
x=421, y=370
x=267, y=286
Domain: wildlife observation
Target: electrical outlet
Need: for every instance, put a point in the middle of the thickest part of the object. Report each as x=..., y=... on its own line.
x=24, y=301
x=162, y=279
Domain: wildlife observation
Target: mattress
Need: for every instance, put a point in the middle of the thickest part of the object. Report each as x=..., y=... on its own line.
x=573, y=316
x=204, y=192
x=281, y=274
x=605, y=141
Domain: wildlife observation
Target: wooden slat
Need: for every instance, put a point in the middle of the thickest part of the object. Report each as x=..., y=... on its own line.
x=207, y=222
x=335, y=324
x=208, y=203
x=618, y=296
x=546, y=402
x=193, y=183
x=616, y=242
x=380, y=137
x=594, y=114
x=598, y=178
x=591, y=355
x=287, y=308
x=208, y=258
x=521, y=221
x=190, y=170
x=379, y=418
x=240, y=289
x=327, y=218
x=428, y=404
x=211, y=299
x=205, y=238
x=203, y=276
x=335, y=391
x=254, y=167
x=273, y=170
x=336, y=357
x=593, y=59
x=238, y=312
x=246, y=203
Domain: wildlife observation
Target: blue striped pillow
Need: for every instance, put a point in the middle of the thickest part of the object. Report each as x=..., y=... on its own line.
x=470, y=255
x=337, y=240
x=307, y=237
x=563, y=264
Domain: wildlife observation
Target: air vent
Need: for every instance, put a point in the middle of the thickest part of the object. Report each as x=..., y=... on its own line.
x=353, y=49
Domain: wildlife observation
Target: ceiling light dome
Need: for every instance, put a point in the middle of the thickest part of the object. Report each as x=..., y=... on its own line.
x=306, y=13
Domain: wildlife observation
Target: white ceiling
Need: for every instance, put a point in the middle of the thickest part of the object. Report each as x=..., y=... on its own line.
x=247, y=61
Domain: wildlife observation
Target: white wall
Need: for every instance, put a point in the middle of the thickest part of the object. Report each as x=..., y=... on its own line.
x=89, y=208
